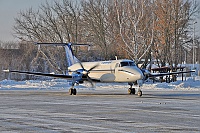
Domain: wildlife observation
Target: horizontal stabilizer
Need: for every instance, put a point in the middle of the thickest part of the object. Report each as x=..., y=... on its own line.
x=71, y=59
x=61, y=44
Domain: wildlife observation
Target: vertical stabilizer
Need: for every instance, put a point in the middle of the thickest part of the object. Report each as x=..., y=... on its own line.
x=71, y=59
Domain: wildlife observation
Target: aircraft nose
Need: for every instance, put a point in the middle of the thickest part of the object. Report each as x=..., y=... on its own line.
x=139, y=74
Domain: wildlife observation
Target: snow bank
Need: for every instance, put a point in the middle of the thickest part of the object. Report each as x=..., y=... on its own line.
x=189, y=84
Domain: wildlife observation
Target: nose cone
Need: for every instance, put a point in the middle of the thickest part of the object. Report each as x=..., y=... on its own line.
x=138, y=73
x=134, y=72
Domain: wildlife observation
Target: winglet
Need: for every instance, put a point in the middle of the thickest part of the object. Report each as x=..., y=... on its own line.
x=6, y=70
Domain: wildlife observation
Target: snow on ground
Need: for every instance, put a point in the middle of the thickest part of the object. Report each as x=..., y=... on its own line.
x=189, y=84
x=61, y=84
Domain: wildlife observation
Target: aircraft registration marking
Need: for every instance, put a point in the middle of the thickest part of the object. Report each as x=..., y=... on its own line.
x=106, y=62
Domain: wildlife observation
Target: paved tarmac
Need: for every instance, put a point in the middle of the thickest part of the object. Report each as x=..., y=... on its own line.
x=99, y=111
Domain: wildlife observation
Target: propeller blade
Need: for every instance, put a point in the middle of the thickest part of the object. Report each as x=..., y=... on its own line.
x=86, y=72
x=81, y=65
x=90, y=80
x=93, y=67
x=88, y=77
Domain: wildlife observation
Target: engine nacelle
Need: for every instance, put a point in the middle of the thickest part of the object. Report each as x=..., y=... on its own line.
x=77, y=77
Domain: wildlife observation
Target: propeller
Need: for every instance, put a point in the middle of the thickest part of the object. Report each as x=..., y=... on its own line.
x=86, y=72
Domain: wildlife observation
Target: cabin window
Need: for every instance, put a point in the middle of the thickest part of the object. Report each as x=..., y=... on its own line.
x=122, y=64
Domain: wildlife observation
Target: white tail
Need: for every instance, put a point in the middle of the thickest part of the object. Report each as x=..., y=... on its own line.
x=71, y=59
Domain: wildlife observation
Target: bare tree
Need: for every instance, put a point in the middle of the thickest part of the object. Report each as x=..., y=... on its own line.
x=96, y=25
x=58, y=23
x=172, y=19
x=136, y=22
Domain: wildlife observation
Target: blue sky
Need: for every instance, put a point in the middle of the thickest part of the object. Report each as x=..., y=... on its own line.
x=9, y=10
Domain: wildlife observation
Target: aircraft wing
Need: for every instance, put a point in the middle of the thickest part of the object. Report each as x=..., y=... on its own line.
x=40, y=74
x=50, y=75
x=172, y=73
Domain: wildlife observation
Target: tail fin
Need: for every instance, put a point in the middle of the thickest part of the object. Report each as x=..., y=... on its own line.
x=71, y=59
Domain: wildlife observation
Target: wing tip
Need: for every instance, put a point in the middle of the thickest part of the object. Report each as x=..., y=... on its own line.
x=6, y=70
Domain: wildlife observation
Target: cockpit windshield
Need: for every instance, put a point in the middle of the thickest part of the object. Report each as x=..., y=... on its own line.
x=126, y=63
x=131, y=63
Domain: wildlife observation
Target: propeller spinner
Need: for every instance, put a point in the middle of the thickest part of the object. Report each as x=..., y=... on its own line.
x=83, y=73
x=86, y=72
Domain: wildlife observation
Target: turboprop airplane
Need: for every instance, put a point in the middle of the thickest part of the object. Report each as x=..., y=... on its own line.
x=121, y=71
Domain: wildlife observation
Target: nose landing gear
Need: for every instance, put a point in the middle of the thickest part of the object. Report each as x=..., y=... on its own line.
x=139, y=92
x=131, y=90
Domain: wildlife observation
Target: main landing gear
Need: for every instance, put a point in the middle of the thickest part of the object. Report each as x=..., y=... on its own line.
x=72, y=91
x=131, y=90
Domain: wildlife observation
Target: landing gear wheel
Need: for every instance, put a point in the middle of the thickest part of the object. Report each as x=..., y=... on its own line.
x=72, y=91
x=131, y=91
x=139, y=93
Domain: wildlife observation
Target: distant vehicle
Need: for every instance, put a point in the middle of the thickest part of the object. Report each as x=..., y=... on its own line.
x=122, y=71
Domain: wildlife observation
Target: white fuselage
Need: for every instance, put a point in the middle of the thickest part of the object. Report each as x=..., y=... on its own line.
x=111, y=71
